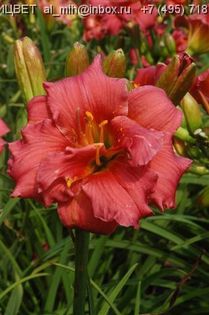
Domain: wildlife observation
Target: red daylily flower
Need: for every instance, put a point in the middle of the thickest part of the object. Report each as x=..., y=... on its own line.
x=200, y=89
x=102, y=153
x=94, y=28
x=3, y=130
x=97, y=26
x=195, y=30
x=149, y=75
x=181, y=39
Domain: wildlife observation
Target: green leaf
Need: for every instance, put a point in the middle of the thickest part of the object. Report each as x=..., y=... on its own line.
x=55, y=281
x=7, y=208
x=138, y=299
x=106, y=298
x=115, y=292
x=17, y=283
x=15, y=301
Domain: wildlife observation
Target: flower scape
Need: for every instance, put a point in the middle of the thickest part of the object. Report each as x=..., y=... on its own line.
x=102, y=152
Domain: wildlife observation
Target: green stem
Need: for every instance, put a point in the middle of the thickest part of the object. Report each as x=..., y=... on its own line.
x=81, y=261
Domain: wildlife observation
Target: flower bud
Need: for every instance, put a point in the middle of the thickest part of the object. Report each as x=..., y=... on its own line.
x=169, y=76
x=203, y=198
x=170, y=44
x=114, y=65
x=179, y=146
x=194, y=152
x=3, y=110
x=198, y=42
x=183, y=134
x=77, y=60
x=183, y=120
x=204, y=101
x=198, y=169
x=164, y=51
x=29, y=68
x=192, y=112
x=178, y=77
x=183, y=83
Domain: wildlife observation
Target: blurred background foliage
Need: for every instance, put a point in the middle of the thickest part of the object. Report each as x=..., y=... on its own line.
x=162, y=268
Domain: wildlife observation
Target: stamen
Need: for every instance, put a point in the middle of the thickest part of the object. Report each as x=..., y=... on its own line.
x=69, y=181
x=101, y=134
x=98, y=162
x=136, y=85
x=89, y=116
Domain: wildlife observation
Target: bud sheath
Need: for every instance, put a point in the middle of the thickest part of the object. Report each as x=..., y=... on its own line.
x=77, y=60
x=114, y=65
x=192, y=112
x=29, y=68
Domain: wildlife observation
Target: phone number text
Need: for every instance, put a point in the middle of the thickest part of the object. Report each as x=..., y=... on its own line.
x=176, y=9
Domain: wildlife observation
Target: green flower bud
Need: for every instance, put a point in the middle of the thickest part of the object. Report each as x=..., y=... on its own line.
x=177, y=78
x=114, y=65
x=179, y=146
x=183, y=134
x=3, y=110
x=194, y=152
x=183, y=120
x=198, y=169
x=203, y=198
x=77, y=60
x=169, y=76
x=192, y=112
x=183, y=83
x=170, y=43
x=29, y=68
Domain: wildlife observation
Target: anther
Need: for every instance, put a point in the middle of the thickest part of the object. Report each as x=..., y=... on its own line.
x=101, y=134
x=69, y=181
x=89, y=116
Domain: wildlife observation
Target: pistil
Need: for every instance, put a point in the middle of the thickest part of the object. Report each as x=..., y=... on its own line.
x=98, y=146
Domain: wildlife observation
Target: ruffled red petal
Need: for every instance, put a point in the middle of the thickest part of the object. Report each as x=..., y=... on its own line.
x=2, y=143
x=37, y=109
x=62, y=169
x=110, y=200
x=142, y=144
x=149, y=75
x=78, y=212
x=151, y=108
x=69, y=99
x=38, y=140
x=139, y=182
x=169, y=168
x=3, y=130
